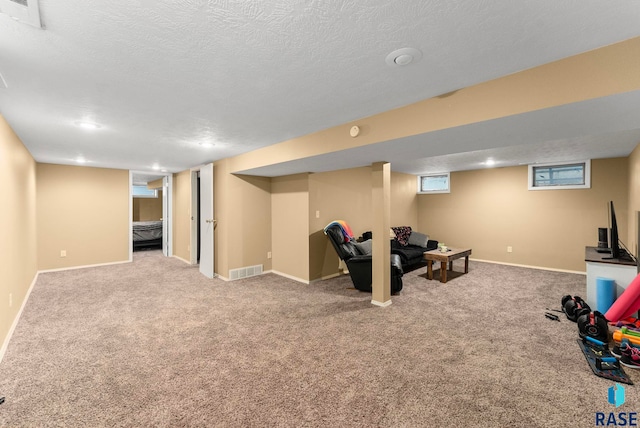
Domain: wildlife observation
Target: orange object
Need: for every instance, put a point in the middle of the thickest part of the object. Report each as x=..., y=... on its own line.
x=618, y=336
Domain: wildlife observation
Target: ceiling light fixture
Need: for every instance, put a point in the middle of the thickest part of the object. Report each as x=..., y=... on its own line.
x=490, y=162
x=80, y=159
x=155, y=167
x=403, y=56
x=87, y=125
x=206, y=145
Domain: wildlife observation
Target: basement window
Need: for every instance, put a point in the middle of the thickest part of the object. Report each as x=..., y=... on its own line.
x=557, y=176
x=434, y=183
x=143, y=192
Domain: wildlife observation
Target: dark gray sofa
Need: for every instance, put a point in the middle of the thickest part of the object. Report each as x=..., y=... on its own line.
x=410, y=245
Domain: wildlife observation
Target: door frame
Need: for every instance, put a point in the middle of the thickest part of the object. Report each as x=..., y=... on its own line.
x=193, y=244
x=169, y=202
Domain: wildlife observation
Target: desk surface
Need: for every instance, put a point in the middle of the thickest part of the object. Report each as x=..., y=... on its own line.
x=591, y=255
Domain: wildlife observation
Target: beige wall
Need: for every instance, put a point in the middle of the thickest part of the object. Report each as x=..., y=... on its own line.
x=221, y=213
x=84, y=211
x=347, y=195
x=404, y=200
x=336, y=195
x=341, y=195
x=290, y=225
x=242, y=208
x=18, y=255
x=182, y=215
x=249, y=222
x=634, y=201
x=147, y=209
x=491, y=209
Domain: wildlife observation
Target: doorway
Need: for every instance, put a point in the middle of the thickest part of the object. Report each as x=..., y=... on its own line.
x=158, y=206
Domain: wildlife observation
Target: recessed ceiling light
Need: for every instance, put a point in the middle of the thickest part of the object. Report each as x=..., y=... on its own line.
x=87, y=125
x=490, y=162
x=80, y=159
x=206, y=145
x=163, y=170
x=404, y=56
x=156, y=166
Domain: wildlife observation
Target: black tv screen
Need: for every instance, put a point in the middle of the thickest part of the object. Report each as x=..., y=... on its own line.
x=615, y=245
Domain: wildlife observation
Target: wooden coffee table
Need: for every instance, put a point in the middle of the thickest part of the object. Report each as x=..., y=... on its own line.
x=444, y=258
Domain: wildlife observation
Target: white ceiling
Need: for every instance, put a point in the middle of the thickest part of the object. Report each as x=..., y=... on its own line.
x=162, y=78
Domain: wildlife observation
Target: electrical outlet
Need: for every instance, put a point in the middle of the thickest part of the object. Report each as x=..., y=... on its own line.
x=509, y=249
x=63, y=253
x=268, y=254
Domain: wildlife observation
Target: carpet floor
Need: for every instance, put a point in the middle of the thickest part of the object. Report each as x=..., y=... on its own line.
x=154, y=343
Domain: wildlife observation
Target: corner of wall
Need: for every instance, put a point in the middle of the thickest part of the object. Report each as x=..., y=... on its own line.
x=18, y=246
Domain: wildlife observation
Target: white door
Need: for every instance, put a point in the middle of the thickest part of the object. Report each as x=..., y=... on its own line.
x=206, y=220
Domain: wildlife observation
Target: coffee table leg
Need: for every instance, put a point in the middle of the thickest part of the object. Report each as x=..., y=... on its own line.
x=466, y=264
x=443, y=271
x=429, y=269
x=451, y=265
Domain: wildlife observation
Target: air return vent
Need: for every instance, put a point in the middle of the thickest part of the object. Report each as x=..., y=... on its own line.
x=26, y=11
x=245, y=272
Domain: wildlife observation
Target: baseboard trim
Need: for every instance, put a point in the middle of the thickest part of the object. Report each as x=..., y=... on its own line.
x=295, y=278
x=83, y=266
x=530, y=266
x=333, y=275
x=381, y=304
x=7, y=339
x=182, y=260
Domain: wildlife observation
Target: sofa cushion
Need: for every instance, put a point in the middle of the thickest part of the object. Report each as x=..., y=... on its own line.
x=402, y=234
x=364, y=247
x=418, y=239
x=409, y=254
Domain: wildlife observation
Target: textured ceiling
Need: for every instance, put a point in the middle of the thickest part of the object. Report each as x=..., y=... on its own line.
x=163, y=78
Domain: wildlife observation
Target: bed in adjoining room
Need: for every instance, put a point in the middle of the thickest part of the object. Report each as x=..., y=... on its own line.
x=147, y=234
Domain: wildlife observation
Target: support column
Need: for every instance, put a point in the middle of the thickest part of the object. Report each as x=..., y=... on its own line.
x=381, y=199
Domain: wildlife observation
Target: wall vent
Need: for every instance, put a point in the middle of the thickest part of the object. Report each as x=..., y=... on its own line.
x=245, y=272
x=26, y=11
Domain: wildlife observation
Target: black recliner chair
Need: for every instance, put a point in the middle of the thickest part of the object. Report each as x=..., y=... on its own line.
x=360, y=265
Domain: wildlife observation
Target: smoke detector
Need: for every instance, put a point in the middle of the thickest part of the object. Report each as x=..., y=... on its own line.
x=404, y=56
x=26, y=11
